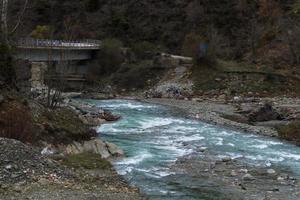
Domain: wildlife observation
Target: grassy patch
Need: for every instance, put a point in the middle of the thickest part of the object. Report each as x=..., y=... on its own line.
x=87, y=161
x=290, y=132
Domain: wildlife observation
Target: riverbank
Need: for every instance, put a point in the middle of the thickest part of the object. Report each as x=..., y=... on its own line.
x=27, y=174
x=54, y=153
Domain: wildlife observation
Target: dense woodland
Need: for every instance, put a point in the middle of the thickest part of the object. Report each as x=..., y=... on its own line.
x=237, y=29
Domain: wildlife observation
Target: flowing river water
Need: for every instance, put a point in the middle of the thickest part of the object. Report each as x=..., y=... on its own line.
x=154, y=137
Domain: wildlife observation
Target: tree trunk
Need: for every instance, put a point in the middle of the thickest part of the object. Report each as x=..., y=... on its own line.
x=4, y=32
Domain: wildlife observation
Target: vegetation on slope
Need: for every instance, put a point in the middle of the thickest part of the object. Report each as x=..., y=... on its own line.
x=291, y=131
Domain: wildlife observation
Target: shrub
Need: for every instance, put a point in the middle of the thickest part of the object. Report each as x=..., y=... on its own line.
x=16, y=123
x=146, y=50
x=291, y=131
x=137, y=76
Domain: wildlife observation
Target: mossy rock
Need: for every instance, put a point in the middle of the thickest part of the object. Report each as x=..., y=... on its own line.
x=87, y=161
x=290, y=132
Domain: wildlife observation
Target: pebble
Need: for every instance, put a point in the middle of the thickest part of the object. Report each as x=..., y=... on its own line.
x=271, y=171
x=8, y=167
x=226, y=159
x=233, y=173
x=248, y=177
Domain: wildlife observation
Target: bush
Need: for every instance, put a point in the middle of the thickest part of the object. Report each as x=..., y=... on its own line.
x=137, y=76
x=16, y=123
x=291, y=131
x=146, y=50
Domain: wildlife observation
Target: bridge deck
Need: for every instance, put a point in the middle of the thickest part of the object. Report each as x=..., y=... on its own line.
x=30, y=43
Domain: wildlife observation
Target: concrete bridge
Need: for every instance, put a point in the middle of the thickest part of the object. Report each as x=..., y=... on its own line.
x=41, y=50
x=68, y=60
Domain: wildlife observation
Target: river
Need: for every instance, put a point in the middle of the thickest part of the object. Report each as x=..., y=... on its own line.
x=154, y=137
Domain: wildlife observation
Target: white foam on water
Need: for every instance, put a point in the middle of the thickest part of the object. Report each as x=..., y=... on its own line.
x=268, y=142
x=189, y=138
x=224, y=133
x=181, y=129
x=260, y=146
x=258, y=157
x=289, y=155
x=135, y=159
x=220, y=141
x=157, y=122
x=279, y=159
x=127, y=105
x=230, y=144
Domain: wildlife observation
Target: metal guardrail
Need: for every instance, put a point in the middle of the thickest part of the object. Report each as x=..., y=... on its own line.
x=68, y=44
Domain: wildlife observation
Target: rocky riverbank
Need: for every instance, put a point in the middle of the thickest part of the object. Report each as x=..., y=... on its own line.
x=59, y=156
x=231, y=179
x=27, y=174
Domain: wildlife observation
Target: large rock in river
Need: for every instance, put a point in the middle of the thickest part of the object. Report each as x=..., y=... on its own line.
x=97, y=146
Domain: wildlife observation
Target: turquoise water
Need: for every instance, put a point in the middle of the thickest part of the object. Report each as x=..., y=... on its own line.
x=154, y=136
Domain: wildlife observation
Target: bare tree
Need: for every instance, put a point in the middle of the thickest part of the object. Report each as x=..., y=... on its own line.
x=5, y=33
x=4, y=11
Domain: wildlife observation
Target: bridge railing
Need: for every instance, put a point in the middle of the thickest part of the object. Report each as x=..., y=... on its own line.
x=40, y=43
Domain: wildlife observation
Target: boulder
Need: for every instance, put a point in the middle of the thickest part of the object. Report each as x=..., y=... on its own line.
x=114, y=150
x=96, y=146
x=264, y=113
x=108, y=116
x=91, y=120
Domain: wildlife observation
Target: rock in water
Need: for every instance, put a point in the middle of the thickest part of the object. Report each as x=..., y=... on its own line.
x=114, y=150
x=108, y=116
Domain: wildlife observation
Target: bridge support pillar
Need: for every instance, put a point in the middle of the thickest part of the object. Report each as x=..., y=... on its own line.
x=38, y=70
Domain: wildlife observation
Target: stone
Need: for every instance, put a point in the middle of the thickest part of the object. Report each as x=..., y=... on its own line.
x=271, y=171
x=96, y=146
x=243, y=170
x=248, y=177
x=264, y=113
x=233, y=173
x=114, y=149
x=108, y=116
x=226, y=159
x=202, y=149
x=222, y=97
x=8, y=167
